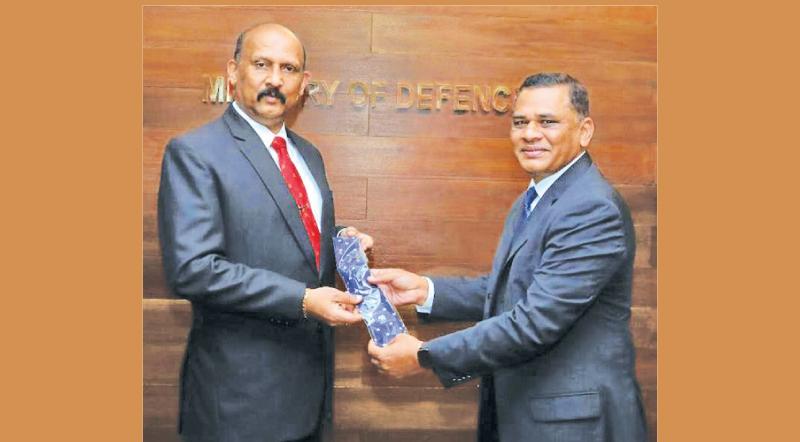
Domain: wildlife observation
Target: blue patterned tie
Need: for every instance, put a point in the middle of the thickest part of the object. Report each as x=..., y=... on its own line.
x=383, y=321
x=525, y=211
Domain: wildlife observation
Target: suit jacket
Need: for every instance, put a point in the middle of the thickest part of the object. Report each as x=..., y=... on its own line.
x=234, y=245
x=554, y=318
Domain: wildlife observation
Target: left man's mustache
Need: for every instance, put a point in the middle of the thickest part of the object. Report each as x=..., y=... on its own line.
x=271, y=92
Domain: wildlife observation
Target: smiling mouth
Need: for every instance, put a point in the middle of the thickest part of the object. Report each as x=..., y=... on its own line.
x=533, y=152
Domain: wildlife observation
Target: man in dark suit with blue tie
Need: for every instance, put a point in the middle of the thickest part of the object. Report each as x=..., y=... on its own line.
x=552, y=343
x=246, y=223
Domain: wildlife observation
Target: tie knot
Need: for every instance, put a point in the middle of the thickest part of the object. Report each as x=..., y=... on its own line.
x=279, y=144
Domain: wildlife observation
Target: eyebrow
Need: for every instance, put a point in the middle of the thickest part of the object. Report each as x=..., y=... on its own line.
x=537, y=116
x=257, y=57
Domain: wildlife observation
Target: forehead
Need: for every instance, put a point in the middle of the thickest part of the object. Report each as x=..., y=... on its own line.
x=272, y=42
x=552, y=100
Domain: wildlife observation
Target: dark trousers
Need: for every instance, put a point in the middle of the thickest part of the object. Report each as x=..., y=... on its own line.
x=313, y=437
x=487, y=419
x=316, y=436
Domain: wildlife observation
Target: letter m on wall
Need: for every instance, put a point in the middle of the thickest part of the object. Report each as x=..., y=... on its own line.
x=217, y=90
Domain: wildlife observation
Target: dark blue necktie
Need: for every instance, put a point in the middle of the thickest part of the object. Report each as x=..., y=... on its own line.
x=525, y=211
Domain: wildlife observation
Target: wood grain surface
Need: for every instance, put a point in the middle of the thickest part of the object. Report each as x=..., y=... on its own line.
x=432, y=186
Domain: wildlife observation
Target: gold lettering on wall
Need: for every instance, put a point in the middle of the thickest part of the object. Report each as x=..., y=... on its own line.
x=481, y=98
x=463, y=100
x=313, y=91
x=378, y=91
x=425, y=99
x=359, y=99
x=217, y=90
x=501, y=104
x=443, y=93
x=327, y=92
x=424, y=95
x=404, y=89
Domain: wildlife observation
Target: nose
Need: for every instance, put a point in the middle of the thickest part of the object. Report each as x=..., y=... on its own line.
x=531, y=132
x=275, y=78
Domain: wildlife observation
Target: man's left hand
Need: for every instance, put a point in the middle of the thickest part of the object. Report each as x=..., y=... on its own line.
x=399, y=358
x=365, y=241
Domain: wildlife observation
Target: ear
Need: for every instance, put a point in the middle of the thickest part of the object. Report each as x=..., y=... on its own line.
x=586, y=132
x=232, y=67
x=304, y=84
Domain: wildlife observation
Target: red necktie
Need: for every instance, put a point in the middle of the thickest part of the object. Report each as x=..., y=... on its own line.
x=298, y=191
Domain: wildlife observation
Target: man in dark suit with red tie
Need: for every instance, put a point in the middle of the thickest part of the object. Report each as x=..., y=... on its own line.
x=246, y=222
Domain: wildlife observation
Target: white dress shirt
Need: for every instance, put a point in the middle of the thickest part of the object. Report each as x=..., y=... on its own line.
x=541, y=188
x=266, y=136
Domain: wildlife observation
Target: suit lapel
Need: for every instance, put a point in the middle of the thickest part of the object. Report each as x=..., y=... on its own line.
x=550, y=197
x=509, y=245
x=507, y=238
x=253, y=149
x=499, y=257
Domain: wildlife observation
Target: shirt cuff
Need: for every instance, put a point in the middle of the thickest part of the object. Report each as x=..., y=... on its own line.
x=428, y=305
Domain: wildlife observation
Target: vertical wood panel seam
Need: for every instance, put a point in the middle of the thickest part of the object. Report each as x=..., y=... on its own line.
x=371, y=54
x=366, y=199
x=372, y=33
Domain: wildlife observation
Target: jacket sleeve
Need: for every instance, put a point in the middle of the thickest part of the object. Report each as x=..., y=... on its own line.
x=583, y=249
x=458, y=299
x=191, y=233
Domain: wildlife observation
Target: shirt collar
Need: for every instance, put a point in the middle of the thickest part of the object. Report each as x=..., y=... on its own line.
x=262, y=131
x=545, y=183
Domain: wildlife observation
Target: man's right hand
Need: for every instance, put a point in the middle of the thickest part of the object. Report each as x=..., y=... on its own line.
x=332, y=306
x=400, y=286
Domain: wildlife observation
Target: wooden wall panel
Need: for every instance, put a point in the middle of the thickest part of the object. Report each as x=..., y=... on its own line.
x=644, y=278
x=404, y=244
x=154, y=284
x=435, y=239
x=161, y=434
x=473, y=159
x=488, y=201
x=179, y=108
x=201, y=26
x=611, y=129
x=160, y=407
x=466, y=207
x=609, y=15
x=429, y=409
x=478, y=36
x=185, y=66
x=644, y=286
x=361, y=393
x=623, y=91
x=432, y=186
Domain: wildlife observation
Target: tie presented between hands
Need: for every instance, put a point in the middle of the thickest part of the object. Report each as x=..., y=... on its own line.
x=298, y=191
